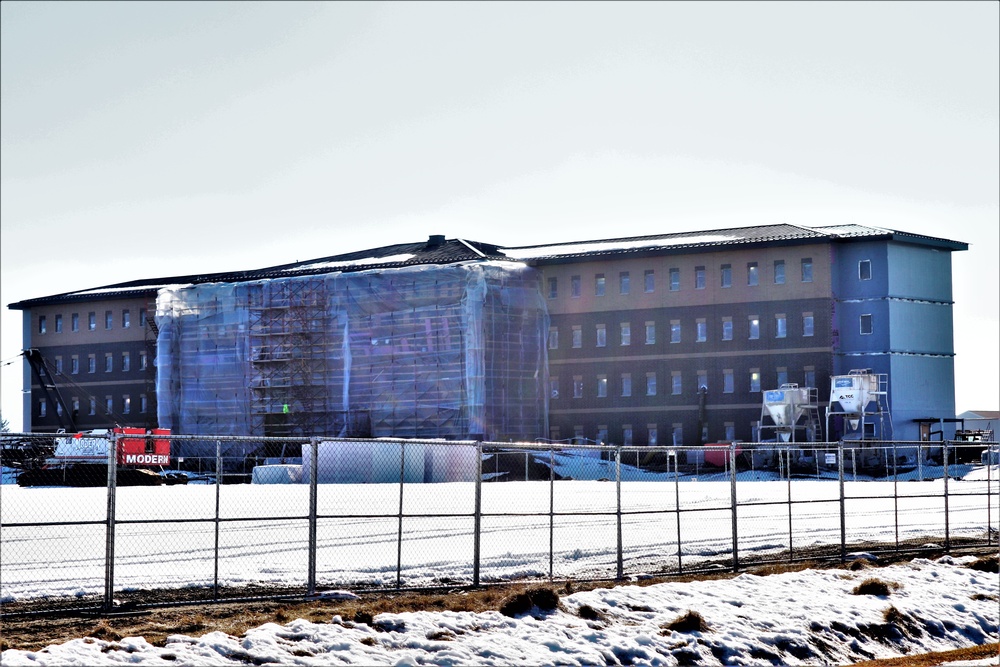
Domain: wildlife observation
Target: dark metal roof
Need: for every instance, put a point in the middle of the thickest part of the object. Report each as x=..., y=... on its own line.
x=439, y=250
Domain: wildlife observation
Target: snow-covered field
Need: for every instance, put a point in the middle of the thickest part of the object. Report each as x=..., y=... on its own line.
x=168, y=536
x=800, y=618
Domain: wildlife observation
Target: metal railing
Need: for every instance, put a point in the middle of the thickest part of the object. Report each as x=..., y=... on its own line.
x=393, y=514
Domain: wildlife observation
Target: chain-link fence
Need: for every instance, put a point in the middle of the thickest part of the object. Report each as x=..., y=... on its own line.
x=96, y=523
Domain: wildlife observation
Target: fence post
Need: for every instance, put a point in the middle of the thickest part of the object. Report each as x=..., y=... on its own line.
x=313, y=511
x=947, y=524
x=788, y=473
x=478, y=520
x=218, y=493
x=895, y=491
x=843, y=508
x=677, y=506
x=399, y=534
x=109, y=543
x=620, y=567
x=552, y=507
x=732, y=490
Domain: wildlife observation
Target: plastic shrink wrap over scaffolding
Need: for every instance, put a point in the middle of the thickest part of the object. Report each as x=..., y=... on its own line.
x=433, y=351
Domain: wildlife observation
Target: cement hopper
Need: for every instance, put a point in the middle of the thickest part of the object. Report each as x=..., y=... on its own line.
x=786, y=406
x=854, y=392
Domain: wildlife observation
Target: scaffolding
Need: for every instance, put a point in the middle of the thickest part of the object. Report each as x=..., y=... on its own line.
x=445, y=351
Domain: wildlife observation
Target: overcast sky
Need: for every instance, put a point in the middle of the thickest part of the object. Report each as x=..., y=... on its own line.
x=155, y=139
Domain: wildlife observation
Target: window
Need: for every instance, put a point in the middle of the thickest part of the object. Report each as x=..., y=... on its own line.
x=780, y=326
x=126, y=319
x=41, y=324
x=91, y=363
x=807, y=270
x=553, y=288
x=675, y=331
x=109, y=405
x=626, y=384
x=126, y=404
x=627, y=435
x=727, y=328
x=727, y=275
x=865, y=269
x=701, y=330
x=602, y=386
x=623, y=283
x=809, y=372
x=730, y=431
x=754, y=323
x=75, y=321
x=704, y=433
x=650, y=333
x=93, y=406
x=699, y=277
x=142, y=360
x=866, y=325
x=59, y=366
x=577, y=386
x=675, y=280
x=109, y=362
x=779, y=272
x=58, y=323
x=807, y=324
x=755, y=380
x=676, y=386
x=142, y=317
x=599, y=284
x=76, y=406
x=578, y=435
x=626, y=333
x=782, y=376
x=753, y=274
x=143, y=403
x=651, y=383
x=602, y=433
x=92, y=321
x=553, y=339
x=728, y=382
x=42, y=408
x=74, y=364
x=677, y=434
x=553, y=386
x=648, y=283
x=651, y=435
x=574, y=286
x=109, y=319
x=577, y=336
x=602, y=336
x=126, y=362
x=702, y=379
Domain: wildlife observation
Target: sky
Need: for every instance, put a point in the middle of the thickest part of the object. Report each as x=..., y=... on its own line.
x=150, y=139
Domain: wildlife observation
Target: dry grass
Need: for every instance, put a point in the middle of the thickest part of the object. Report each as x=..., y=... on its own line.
x=934, y=659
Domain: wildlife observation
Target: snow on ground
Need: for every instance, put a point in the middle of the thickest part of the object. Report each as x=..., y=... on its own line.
x=797, y=618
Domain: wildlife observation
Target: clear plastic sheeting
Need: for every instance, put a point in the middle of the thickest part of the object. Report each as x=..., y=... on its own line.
x=454, y=351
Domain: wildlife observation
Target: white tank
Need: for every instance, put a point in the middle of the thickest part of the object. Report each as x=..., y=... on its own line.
x=854, y=391
x=786, y=406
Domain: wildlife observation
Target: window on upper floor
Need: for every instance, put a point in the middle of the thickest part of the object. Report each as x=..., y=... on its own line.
x=648, y=280
x=554, y=386
x=809, y=374
x=602, y=386
x=577, y=386
x=91, y=363
x=753, y=323
x=624, y=283
x=74, y=364
x=782, y=376
x=143, y=403
x=574, y=286
x=142, y=360
x=651, y=435
x=754, y=380
x=109, y=362
x=753, y=274
x=142, y=318
x=676, y=386
x=867, y=328
x=75, y=321
x=779, y=272
x=727, y=328
x=553, y=338
x=728, y=384
x=626, y=333
x=651, y=383
x=43, y=408
x=42, y=324
x=807, y=324
x=58, y=323
x=650, y=333
x=577, y=336
x=602, y=336
x=701, y=330
x=807, y=270
x=126, y=404
x=780, y=326
x=726, y=275
x=599, y=284
x=553, y=288
x=92, y=321
x=699, y=277
x=675, y=280
x=675, y=331
x=109, y=319
x=109, y=406
x=626, y=384
x=865, y=269
x=126, y=319
x=93, y=406
x=126, y=361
